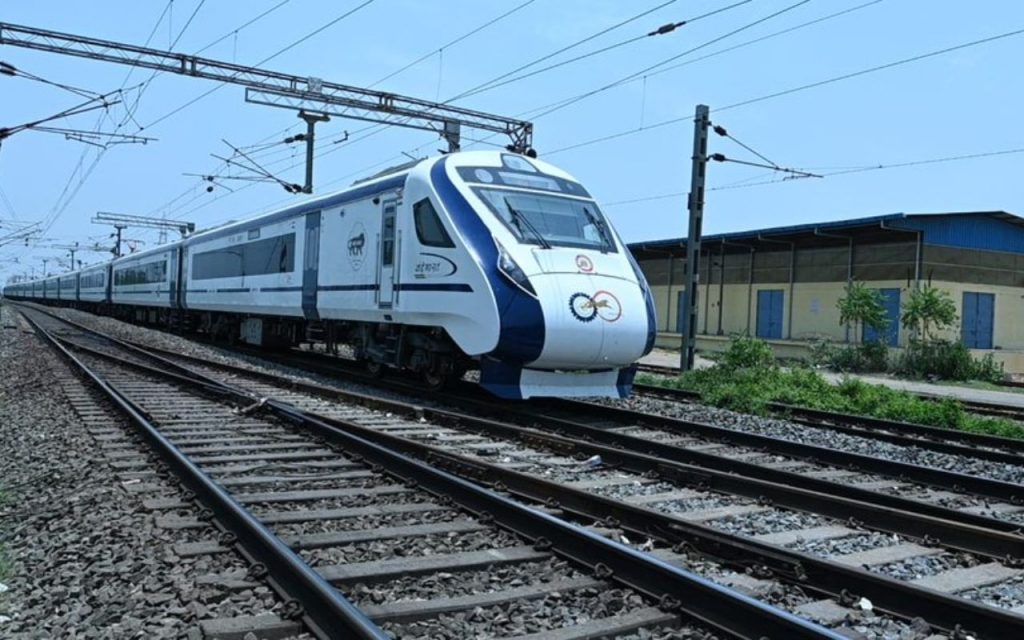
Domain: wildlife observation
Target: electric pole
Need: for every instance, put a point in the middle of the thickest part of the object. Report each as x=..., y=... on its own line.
x=311, y=120
x=701, y=122
x=117, y=244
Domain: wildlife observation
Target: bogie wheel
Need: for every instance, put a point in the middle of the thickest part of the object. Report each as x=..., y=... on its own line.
x=434, y=380
x=374, y=368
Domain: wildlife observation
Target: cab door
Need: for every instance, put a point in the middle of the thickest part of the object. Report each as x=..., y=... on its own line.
x=387, y=255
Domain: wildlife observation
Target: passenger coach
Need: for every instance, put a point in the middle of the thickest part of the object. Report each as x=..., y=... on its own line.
x=484, y=260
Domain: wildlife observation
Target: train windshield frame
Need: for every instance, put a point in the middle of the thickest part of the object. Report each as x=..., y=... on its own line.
x=548, y=219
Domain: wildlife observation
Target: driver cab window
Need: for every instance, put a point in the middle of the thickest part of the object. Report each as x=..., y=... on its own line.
x=429, y=230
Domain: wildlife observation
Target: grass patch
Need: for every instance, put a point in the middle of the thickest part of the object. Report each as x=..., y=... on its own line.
x=746, y=380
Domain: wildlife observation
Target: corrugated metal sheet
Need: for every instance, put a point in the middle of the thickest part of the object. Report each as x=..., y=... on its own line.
x=984, y=230
x=738, y=236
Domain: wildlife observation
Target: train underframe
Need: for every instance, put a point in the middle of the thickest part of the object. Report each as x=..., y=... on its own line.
x=426, y=351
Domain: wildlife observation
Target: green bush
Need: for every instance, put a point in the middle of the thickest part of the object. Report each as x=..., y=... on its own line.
x=862, y=358
x=748, y=380
x=746, y=352
x=946, y=360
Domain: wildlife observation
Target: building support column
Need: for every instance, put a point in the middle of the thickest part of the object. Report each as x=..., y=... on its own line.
x=849, y=262
x=721, y=285
x=750, y=276
x=750, y=291
x=707, y=291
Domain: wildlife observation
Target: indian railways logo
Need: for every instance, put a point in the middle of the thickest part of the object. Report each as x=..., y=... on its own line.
x=602, y=305
x=356, y=244
x=584, y=264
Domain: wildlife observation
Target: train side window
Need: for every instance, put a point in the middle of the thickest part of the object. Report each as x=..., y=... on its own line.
x=388, y=241
x=284, y=264
x=429, y=230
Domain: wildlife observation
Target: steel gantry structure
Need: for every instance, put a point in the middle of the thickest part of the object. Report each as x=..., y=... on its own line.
x=273, y=88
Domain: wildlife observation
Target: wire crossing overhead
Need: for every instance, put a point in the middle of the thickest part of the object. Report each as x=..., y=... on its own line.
x=283, y=89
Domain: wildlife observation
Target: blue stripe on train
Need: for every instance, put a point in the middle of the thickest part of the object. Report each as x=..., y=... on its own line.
x=521, y=337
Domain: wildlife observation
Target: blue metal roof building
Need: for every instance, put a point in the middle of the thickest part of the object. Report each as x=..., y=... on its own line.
x=783, y=283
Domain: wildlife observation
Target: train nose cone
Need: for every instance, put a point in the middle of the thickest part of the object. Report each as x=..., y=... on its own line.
x=591, y=321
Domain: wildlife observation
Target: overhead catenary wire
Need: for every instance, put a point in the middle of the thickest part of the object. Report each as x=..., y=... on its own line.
x=8, y=69
x=455, y=41
x=68, y=193
x=662, y=30
x=637, y=74
x=881, y=67
x=265, y=60
x=769, y=36
x=379, y=128
x=790, y=91
x=138, y=97
x=884, y=167
x=482, y=87
x=552, y=107
x=270, y=147
x=568, y=47
x=744, y=184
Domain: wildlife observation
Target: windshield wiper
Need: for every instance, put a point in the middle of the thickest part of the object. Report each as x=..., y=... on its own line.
x=606, y=241
x=521, y=220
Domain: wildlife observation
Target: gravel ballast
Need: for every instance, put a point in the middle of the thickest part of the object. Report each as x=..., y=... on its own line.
x=86, y=558
x=493, y=620
x=804, y=434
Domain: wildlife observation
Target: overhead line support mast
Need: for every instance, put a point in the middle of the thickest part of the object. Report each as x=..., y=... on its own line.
x=272, y=88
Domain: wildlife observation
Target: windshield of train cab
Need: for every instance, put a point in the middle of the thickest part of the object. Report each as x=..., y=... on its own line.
x=549, y=220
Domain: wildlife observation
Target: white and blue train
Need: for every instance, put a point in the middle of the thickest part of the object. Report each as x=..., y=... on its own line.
x=486, y=260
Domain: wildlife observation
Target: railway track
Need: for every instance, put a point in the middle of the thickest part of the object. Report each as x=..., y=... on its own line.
x=320, y=510
x=980, y=408
x=800, y=529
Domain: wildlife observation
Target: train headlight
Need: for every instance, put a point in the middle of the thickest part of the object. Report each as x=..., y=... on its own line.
x=512, y=271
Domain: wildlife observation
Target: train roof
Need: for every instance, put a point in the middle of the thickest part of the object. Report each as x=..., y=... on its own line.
x=357, y=192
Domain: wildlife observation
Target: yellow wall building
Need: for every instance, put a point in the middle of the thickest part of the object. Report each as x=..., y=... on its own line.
x=783, y=283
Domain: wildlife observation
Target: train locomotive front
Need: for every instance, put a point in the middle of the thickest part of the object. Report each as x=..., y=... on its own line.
x=573, y=310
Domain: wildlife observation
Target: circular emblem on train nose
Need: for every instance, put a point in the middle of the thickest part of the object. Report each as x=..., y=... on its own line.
x=607, y=306
x=581, y=306
x=584, y=264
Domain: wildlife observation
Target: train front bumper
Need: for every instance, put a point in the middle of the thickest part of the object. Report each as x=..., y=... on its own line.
x=519, y=383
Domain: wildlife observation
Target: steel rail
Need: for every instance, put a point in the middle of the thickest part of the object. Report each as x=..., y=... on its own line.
x=733, y=549
x=829, y=577
x=978, y=445
x=675, y=589
x=939, y=525
x=959, y=482
x=973, y=406
x=843, y=582
x=665, y=451
x=324, y=610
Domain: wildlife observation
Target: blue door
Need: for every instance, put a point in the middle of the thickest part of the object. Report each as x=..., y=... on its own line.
x=891, y=334
x=769, y=313
x=310, y=266
x=978, y=316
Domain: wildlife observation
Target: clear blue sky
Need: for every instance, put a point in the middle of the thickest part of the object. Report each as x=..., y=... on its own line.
x=965, y=102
